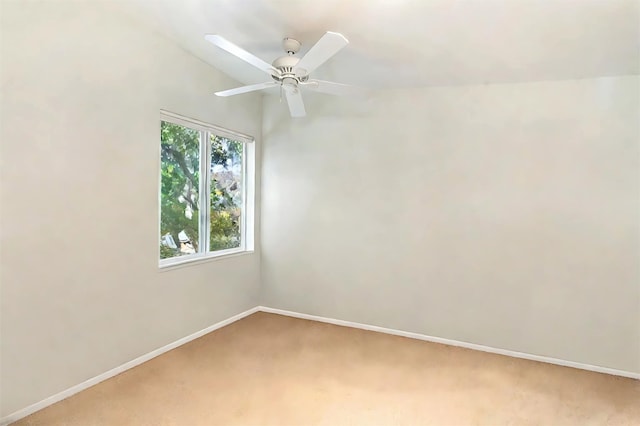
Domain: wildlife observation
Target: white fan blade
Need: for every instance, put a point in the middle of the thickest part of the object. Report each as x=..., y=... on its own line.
x=330, y=44
x=331, y=88
x=225, y=44
x=294, y=100
x=245, y=89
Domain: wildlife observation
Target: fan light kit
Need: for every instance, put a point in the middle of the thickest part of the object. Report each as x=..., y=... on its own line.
x=291, y=72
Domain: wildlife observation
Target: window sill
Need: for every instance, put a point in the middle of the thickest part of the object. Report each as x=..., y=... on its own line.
x=178, y=263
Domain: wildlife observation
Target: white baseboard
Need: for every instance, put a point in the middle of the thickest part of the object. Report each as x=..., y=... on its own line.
x=122, y=368
x=449, y=342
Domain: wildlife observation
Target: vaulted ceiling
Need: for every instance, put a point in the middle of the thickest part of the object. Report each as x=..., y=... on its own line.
x=407, y=43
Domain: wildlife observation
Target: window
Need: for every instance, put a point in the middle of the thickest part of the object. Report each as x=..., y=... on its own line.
x=206, y=190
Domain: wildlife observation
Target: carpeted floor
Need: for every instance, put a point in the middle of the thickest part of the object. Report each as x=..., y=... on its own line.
x=270, y=369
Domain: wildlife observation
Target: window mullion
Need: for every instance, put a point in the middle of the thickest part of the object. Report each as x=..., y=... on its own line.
x=203, y=196
x=243, y=213
x=207, y=186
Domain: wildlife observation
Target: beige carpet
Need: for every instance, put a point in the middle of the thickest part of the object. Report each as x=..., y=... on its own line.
x=270, y=369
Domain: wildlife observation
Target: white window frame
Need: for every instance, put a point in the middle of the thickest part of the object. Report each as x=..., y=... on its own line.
x=248, y=191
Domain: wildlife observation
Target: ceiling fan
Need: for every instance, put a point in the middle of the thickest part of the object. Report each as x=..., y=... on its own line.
x=290, y=72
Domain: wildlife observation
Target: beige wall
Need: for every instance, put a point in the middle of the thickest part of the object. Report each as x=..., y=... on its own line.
x=503, y=215
x=82, y=88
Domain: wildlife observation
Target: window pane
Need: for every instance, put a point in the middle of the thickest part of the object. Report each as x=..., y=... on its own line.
x=226, y=193
x=180, y=155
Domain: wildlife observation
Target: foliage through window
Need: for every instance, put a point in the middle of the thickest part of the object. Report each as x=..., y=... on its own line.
x=203, y=194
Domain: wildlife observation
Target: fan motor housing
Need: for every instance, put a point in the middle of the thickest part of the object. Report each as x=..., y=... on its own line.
x=285, y=65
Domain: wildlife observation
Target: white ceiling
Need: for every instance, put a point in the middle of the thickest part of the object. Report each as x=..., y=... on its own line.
x=405, y=43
